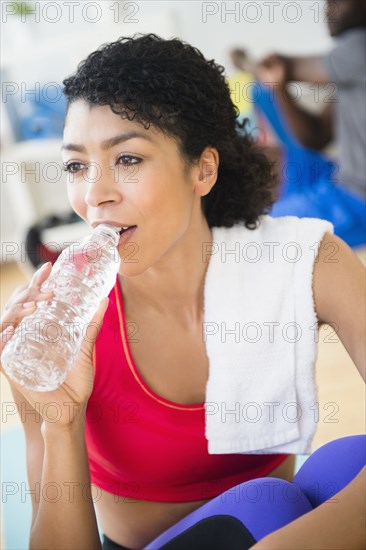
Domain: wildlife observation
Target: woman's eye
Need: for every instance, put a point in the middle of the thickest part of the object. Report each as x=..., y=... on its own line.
x=73, y=167
x=128, y=160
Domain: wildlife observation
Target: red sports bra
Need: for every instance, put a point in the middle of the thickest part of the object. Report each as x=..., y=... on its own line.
x=143, y=446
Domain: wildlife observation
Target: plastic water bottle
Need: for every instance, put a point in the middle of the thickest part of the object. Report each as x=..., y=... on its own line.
x=45, y=344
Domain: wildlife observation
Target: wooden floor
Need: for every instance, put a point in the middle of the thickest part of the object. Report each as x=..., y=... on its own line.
x=341, y=389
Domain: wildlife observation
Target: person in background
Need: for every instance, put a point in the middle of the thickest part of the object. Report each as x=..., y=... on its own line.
x=343, y=118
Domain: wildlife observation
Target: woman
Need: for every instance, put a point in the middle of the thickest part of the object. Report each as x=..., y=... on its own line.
x=151, y=143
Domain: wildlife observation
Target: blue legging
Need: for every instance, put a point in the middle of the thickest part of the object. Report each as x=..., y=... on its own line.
x=241, y=516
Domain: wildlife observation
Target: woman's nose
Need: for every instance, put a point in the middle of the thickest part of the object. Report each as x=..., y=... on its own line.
x=101, y=186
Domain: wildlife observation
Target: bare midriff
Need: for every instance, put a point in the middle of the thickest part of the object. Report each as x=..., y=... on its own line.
x=135, y=523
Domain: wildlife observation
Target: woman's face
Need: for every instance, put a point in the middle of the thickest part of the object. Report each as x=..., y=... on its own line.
x=119, y=171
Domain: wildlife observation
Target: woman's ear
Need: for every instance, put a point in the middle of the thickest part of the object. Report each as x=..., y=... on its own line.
x=207, y=170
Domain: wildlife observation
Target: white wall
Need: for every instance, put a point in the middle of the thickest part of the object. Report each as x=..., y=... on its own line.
x=261, y=26
x=288, y=26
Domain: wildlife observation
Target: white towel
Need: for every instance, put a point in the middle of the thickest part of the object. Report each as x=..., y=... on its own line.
x=260, y=330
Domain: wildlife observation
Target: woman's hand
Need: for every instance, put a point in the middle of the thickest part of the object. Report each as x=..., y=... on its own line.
x=60, y=407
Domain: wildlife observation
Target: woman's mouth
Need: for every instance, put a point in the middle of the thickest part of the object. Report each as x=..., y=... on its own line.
x=125, y=234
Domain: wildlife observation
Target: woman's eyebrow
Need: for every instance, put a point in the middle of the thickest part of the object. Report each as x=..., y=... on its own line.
x=108, y=143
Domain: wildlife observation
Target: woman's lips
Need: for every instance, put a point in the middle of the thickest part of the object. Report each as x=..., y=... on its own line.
x=126, y=235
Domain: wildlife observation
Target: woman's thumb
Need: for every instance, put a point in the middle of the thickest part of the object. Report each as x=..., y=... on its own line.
x=92, y=329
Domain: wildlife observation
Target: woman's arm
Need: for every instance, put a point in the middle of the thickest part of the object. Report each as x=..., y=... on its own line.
x=58, y=479
x=63, y=514
x=339, y=295
x=339, y=287
x=65, y=517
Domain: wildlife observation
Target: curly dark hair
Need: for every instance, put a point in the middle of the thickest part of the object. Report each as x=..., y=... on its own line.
x=170, y=85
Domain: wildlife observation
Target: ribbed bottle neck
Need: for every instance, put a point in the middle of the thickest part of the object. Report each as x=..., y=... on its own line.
x=108, y=231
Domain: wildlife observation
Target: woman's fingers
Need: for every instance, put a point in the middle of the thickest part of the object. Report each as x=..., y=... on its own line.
x=40, y=275
x=24, y=299
x=31, y=293
x=15, y=313
x=26, y=303
x=23, y=292
x=15, y=293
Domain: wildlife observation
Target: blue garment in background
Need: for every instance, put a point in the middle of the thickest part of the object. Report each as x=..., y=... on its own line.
x=309, y=186
x=43, y=119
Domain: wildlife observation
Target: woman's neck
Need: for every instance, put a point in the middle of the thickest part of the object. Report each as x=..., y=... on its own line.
x=174, y=286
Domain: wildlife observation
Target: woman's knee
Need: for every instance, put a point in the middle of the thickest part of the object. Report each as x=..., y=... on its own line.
x=263, y=504
x=331, y=467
